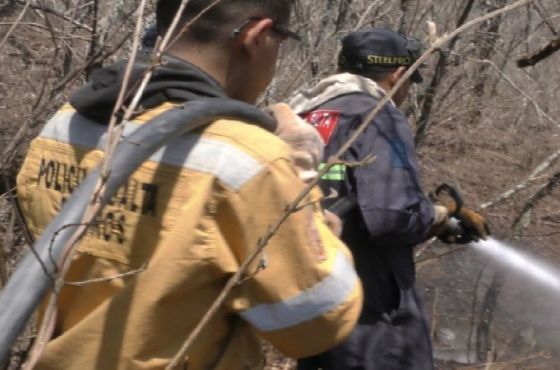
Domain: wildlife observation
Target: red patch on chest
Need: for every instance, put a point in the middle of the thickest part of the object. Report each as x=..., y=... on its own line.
x=324, y=121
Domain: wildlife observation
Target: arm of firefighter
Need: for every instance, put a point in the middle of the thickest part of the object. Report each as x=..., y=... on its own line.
x=389, y=194
x=308, y=297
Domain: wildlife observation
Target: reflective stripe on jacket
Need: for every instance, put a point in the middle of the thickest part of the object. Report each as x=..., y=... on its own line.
x=185, y=221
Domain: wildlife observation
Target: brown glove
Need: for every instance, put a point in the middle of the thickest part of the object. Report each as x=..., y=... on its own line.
x=474, y=224
x=304, y=139
x=463, y=227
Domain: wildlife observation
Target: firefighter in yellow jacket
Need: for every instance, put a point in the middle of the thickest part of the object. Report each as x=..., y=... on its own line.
x=188, y=217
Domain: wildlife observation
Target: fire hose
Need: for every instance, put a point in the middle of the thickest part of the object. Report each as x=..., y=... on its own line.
x=27, y=286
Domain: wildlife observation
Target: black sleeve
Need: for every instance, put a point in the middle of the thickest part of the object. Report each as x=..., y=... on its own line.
x=391, y=200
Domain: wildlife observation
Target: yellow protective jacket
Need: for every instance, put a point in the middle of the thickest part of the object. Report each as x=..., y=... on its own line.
x=187, y=219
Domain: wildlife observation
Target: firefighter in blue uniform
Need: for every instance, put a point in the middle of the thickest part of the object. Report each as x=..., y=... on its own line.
x=392, y=214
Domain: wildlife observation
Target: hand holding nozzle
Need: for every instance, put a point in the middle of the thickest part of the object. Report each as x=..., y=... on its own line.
x=461, y=225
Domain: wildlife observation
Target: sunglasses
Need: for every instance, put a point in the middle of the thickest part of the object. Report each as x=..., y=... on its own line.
x=290, y=38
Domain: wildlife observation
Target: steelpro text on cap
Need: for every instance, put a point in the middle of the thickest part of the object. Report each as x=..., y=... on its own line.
x=379, y=49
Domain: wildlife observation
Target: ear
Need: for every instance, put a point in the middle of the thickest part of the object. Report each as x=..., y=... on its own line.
x=254, y=36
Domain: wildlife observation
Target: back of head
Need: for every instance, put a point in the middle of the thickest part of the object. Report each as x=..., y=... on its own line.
x=375, y=52
x=214, y=23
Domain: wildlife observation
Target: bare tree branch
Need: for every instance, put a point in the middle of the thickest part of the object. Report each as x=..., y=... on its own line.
x=524, y=184
x=107, y=279
x=530, y=60
x=49, y=319
x=57, y=14
x=365, y=14
x=160, y=49
x=543, y=191
x=424, y=122
x=539, y=110
x=17, y=21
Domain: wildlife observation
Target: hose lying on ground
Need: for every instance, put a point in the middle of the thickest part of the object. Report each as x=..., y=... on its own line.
x=28, y=284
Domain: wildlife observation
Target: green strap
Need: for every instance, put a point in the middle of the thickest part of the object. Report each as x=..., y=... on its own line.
x=336, y=173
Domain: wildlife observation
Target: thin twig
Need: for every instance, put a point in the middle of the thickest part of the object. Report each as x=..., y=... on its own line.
x=365, y=14
x=303, y=66
x=188, y=24
x=524, y=184
x=16, y=22
x=505, y=363
x=155, y=60
x=57, y=14
x=107, y=279
x=539, y=110
x=160, y=49
x=546, y=51
x=38, y=109
x=9, y=233
x=10, y=194
x=434, y=314
x=543, y=191
x=96, y=205
x=428, y=244
x=116, y=118
x=49, y=319
x=94, y=36
x=474, y=304
x=541, y=235
x=441, y=255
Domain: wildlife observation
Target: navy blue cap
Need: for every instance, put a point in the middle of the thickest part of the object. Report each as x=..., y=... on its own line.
x=379, y=49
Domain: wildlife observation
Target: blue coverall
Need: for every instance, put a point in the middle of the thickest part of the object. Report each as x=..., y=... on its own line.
x=393, y=215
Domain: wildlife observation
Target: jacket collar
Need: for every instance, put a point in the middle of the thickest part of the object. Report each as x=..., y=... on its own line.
x=332, y=87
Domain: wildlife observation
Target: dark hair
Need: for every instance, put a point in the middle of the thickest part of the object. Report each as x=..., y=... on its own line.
x=217, y=22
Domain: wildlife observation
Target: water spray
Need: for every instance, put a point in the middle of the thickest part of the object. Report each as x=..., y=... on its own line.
x=464, y=232
x=510, y=257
